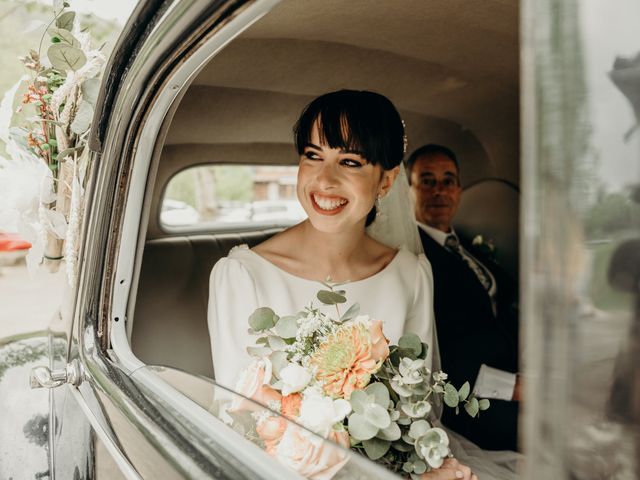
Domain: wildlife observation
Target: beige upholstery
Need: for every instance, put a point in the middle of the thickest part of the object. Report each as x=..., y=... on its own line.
x=491, y=208
x=170, y=321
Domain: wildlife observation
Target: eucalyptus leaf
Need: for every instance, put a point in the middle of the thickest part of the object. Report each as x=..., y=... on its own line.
x=90, y=89
x=379, y=392
x=65, y=57
x=451, y=395
x=262, y=341
x=406, y=353
x=351, y=312
x=258, y=351
x=278, y=362
x=375, y=448
x=407, y=439
x=359, y=400
x=276, y=343
x=262, y=319
x=360, y=428
x=82, y=119
x=472, y=407
x=330, y=298
x=287, y=326
x=463, y=393
x=377, y=415
x=412, y=342
x=390, y=433
x=402, y=446
x=407, y=467
x=418, y=429
x=65, y=36
x=66, y=20
x=484, y=404
x=419, y=467
x=68, y=152
x=425, y=350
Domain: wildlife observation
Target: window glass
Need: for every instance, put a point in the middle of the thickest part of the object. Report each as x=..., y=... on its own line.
x=283, y=440
x=581, y=265
x=219, y=195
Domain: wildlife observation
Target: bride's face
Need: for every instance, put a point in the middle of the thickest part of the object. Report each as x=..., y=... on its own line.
x=337, y=188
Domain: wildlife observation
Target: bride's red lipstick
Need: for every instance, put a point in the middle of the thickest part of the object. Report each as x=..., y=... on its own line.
x=333, y=211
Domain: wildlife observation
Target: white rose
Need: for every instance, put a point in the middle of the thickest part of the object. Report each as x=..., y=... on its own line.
x=320, y=413
x=294, y=378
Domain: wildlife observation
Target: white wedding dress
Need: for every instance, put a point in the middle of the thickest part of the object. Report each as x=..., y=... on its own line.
x=401, y=295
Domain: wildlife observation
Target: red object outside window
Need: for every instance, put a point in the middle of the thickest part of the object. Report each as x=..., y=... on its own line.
x=10, y=242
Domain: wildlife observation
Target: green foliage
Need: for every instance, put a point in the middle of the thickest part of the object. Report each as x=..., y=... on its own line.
x=451, y=397
x=330, y=298
x=182, y=187
x=234, y=183
x=262, y=319
x=613, y=212
x=17, y=19
x=287, y=326
x=351, y=313
x=411, y=341
x=602, y=295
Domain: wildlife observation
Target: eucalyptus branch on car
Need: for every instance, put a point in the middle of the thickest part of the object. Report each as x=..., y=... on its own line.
x=62, y=88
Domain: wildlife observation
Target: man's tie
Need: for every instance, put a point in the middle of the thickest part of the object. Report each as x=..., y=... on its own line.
x=484, y=277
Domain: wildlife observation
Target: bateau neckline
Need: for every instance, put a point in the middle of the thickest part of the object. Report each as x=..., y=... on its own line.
x=354, y=282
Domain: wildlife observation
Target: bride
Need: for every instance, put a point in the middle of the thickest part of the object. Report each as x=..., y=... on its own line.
x=351, y=145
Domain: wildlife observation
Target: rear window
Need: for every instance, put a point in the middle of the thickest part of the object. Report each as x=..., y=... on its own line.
x=218, y=196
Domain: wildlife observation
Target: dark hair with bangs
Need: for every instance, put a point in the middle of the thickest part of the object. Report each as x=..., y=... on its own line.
x=363, y=121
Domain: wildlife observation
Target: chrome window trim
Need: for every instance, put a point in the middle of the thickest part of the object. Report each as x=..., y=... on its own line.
x=178, y=80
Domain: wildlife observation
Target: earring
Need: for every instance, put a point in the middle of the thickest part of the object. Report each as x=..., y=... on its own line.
x=377, y=205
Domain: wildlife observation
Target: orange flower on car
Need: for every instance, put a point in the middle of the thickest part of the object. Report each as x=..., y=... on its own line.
x=347, y=359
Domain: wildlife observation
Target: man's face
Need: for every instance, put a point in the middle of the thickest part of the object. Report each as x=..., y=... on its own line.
x=436, y=187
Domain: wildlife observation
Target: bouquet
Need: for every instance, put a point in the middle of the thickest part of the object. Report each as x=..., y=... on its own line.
x=340, y=378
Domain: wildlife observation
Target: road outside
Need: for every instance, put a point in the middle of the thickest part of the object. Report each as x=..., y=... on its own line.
x=28, y=303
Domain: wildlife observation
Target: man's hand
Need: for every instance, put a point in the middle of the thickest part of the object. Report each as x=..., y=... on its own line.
x=517, y=389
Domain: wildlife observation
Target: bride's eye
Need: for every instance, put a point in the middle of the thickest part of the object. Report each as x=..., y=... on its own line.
x=311, y=155
x=352, y=162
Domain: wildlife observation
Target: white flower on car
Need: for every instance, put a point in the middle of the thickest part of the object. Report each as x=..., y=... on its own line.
x=294, y=378
x=320, y=413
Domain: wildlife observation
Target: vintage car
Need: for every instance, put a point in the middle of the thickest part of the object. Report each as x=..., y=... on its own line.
x=121, y=384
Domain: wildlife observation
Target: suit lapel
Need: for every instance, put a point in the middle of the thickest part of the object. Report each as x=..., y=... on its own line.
x=452, y=276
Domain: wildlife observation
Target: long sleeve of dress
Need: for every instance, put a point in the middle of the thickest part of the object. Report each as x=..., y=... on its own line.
x=421, y=320
x=232, y=298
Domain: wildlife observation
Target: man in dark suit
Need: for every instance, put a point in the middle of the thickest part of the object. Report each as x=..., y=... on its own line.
x=475, y=305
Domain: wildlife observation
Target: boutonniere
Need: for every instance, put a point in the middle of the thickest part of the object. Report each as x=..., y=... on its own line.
x=484, y=246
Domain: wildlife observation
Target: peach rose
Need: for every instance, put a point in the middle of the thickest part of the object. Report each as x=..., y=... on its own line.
x=270, y=431
x=253, y=384
x=310, y=455
x=379, y=343
x=291, y=405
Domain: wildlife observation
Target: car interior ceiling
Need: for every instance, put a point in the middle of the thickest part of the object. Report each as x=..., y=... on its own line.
x=452, y=69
